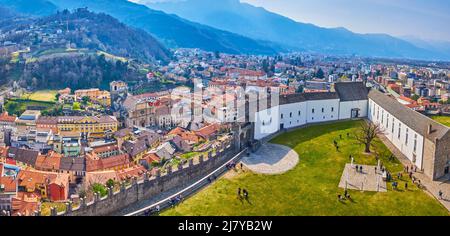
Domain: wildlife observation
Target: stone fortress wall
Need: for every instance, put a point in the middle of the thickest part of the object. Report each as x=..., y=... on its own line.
x=151, y=186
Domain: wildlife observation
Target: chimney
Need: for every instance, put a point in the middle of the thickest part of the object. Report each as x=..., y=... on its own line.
x=430, y=129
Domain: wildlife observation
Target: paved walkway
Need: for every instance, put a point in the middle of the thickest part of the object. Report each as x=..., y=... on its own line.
x=367, y=180
x=431, y=186
x=271, y=159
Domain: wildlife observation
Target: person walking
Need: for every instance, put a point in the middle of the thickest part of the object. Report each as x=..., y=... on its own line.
x=406, y=186
x=239, y=192
x=441, y=194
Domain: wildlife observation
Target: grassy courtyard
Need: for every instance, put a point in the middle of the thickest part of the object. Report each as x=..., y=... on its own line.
x=311, y=188
x=445, y=120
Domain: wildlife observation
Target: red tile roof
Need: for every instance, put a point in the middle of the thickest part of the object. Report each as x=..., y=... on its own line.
x=208, y=130
x=5, y=117
x=106, y=148
x=107, y=163
x=3, y=151
x=136, y=171
x=151, y=157
x=9, y=184
x=25, y=204
x=51, y=161
x=30, y=178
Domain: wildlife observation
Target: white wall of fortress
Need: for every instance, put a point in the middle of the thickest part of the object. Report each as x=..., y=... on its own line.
x=294, y=115
x=409, y=142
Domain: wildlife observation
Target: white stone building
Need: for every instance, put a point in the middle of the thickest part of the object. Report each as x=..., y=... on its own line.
x=425, y=142
x=295, y=110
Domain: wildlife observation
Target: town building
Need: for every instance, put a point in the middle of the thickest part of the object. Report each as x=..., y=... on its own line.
x=95, y=95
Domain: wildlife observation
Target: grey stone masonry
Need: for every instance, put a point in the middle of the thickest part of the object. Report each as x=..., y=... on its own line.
x=155, y=186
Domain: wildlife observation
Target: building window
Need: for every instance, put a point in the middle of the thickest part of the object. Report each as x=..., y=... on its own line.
x=299, y=113
x=332, y=109
x=290, y=115
x=415, y=142
x=281, y=115
x=406, y=138
x=399, y=130
x=323, y=110
x=313, y=110
x=393, y=125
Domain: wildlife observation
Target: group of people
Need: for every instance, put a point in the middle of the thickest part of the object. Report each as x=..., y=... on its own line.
x=175, y=200
x=410, y=169
x=232, y=165
x=345, y=196
x=242, y=193
x=395, y=185
x=152, y=211
x=441, y=195
x=336, y=144
x=359, y=169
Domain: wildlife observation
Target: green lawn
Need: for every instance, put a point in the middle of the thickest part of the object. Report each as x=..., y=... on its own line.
x=18, y=106
x=42, y=95
x=445, y=120
x=45, y=207
x=311, y=188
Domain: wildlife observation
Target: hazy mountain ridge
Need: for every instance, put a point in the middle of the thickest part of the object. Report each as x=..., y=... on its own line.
x=258, y=23
x=30, y=7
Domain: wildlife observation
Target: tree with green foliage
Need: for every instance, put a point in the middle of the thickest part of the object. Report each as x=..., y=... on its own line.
x=76, y=106
x=415, y=97
x=110, y=183
x=99, y=189
x=320, y=74
x=85, y=100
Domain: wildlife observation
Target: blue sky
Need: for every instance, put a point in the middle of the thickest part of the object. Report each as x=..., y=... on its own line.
x=425, y=19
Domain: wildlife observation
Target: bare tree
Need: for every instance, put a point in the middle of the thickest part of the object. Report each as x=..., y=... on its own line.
x=367, y=133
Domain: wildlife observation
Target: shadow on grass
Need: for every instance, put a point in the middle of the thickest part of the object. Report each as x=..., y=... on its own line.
x=312, y=133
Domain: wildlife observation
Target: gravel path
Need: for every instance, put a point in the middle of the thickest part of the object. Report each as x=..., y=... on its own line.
x=271, y=159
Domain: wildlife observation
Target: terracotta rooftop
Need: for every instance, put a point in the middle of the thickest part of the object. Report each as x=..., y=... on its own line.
x=136, y=171
x=5, y=117
x=107, y=163
x=30, y=178
x=25, y=204
x=208, y=130
x=51, y=161
x=8, y=185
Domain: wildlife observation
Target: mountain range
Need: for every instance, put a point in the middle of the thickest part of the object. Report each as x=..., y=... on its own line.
x=85, y=30
x=258, y=23
x=230, y=26
x=30, y=7
x=172, y=30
